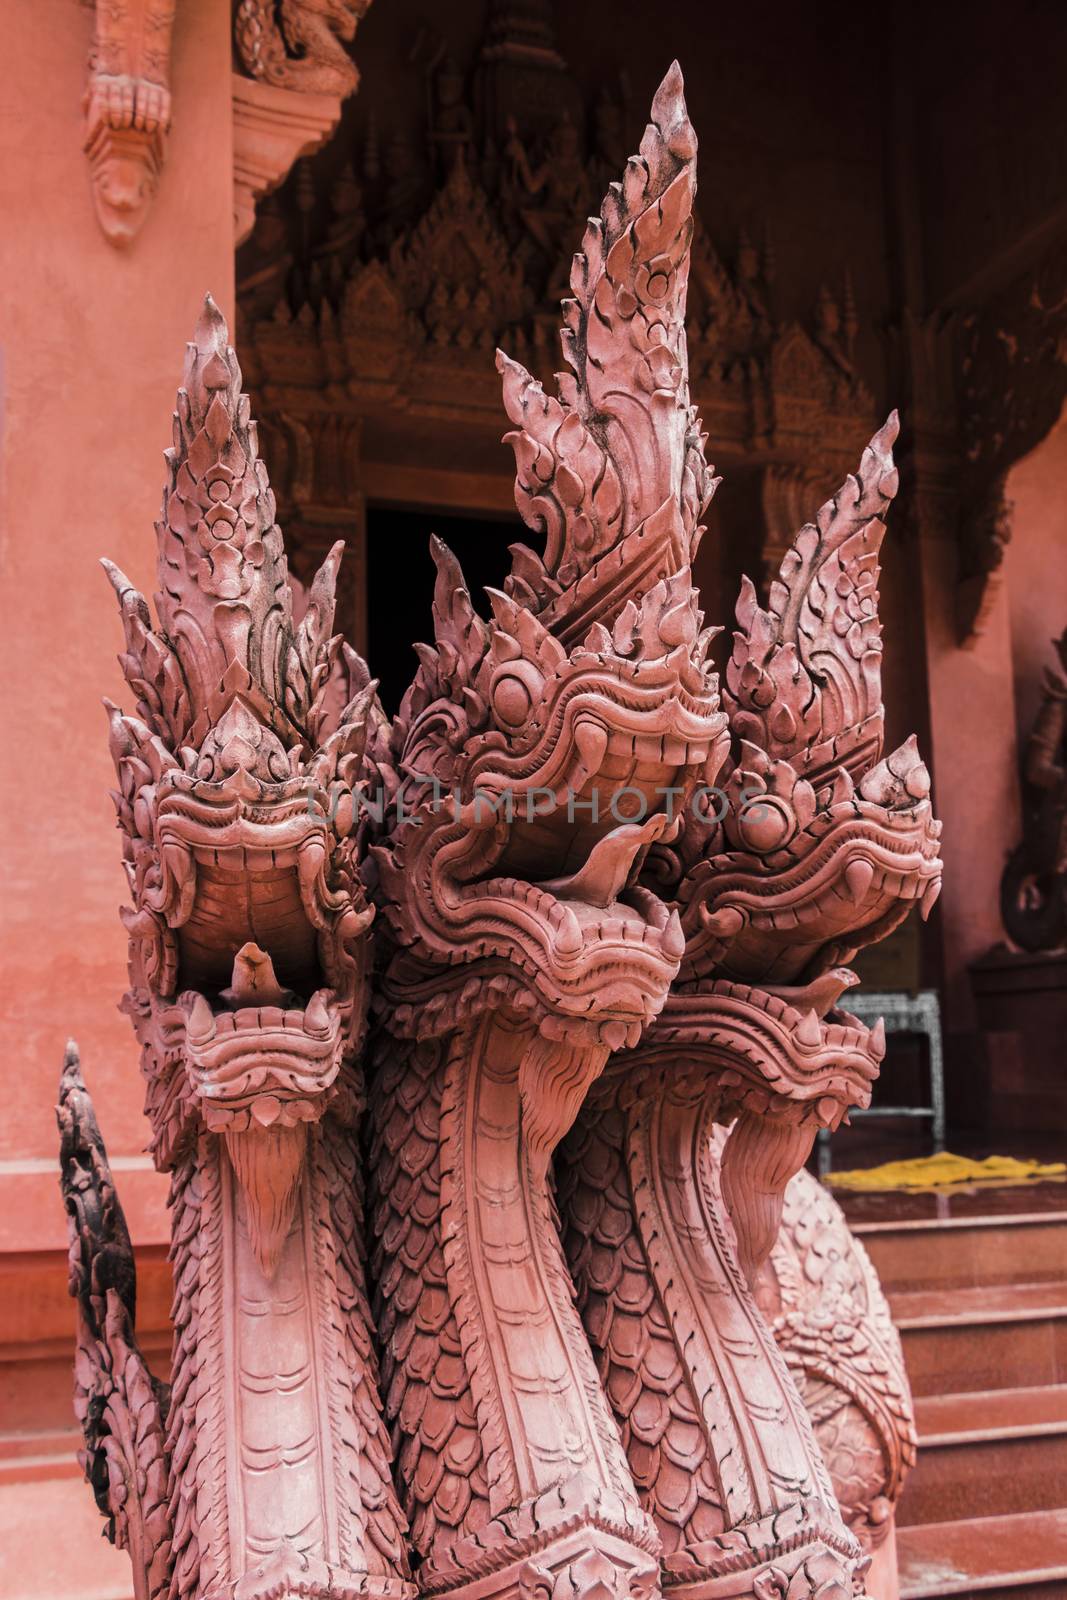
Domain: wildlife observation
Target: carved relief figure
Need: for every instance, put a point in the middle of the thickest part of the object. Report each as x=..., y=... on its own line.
x=127, y=110
x=1033, y=895
x=238, y=775
x=297, y=43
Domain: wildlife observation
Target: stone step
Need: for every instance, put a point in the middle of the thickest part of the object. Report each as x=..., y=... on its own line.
x=965, y=1251
x=1020, y=1557
x=992, y=1453
x=997, y=1336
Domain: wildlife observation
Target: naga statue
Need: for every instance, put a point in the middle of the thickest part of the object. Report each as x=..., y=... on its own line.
x=815, y=846
x=1033, y=891
x=265, y=1467
x=534, y=752
x=613, y=904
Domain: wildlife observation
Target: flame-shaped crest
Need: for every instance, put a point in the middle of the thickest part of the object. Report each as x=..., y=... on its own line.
x=613, y=471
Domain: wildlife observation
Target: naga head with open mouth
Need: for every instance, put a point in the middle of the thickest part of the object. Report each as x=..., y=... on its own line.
x=817, y=845
x=239, y=787
x=536, y=750
x=824, y=845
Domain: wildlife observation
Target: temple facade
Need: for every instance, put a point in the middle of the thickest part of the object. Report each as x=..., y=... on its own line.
x=378, y=199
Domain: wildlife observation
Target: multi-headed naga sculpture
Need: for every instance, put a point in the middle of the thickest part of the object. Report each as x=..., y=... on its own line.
x=614, y=909
x=532, y=940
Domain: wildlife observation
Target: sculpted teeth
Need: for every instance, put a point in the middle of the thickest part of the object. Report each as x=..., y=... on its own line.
x=859, y=876
x=930, y=894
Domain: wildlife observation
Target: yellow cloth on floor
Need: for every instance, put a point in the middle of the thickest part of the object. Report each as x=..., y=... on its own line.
x=944, y=1170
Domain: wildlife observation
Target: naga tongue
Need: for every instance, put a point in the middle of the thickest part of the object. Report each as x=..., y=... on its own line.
x=254, y=982
x=601, y=879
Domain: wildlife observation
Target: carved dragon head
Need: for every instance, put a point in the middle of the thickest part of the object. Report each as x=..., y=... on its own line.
x=239, y=786
x=825, y=846
x=820, y=845
x=554, y=730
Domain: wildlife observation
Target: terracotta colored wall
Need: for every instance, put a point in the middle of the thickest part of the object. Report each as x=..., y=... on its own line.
x=92, y=347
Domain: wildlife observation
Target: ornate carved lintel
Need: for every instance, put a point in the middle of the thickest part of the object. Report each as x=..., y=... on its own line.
x=272, y=128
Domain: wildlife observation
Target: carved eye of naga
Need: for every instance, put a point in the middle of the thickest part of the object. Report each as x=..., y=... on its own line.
x=516, y=689
x=765, y=823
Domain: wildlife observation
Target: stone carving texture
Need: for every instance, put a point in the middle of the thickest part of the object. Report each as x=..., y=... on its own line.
x=1033, y=892
x=595, y=987
x=1013, y=382
x=287, y=99
x=822, y=846
x=127, y=109
x=297, y=44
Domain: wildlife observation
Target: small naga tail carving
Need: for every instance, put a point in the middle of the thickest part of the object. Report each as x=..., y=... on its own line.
x=535, y=752
x=831, y=1321
x=824, y=846
x=239, y=779
x=121, y=1407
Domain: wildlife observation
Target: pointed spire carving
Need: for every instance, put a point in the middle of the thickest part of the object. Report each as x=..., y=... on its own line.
x=804, y=682
x=613, y=470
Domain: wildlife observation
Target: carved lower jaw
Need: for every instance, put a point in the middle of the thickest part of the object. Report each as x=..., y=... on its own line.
x=263, y=1065
x=590, y=948
x=261, y=1073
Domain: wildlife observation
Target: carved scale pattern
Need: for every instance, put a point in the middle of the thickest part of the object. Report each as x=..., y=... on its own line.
x=425, y=1383
x=636, y=1354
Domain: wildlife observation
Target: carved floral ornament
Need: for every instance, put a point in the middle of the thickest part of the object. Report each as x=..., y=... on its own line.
x=504, y=1383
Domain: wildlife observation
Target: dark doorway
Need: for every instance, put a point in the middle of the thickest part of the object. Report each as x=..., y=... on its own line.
x=400, y=580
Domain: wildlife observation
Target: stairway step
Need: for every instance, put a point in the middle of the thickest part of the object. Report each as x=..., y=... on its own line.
x=1020, y=1557
x=967, y=1340
x=964, y=1251
x=992, y=1453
